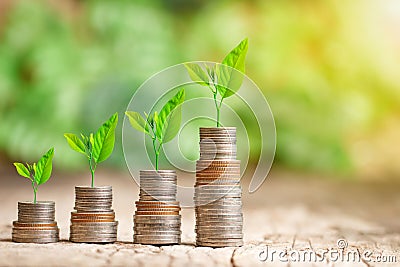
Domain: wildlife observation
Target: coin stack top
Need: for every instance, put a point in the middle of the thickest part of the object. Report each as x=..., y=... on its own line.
x=218, y=143
x=36, y=223
x=219, y=219
x=157, y=220
x=94, y=220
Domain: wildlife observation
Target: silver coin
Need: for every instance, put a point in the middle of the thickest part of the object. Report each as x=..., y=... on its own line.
x=94, y=220
x=222, y=237
x=153, y=240
x=36, y=223
x=222, y=204
x=37, y=241
x=233, y=215
x=93, y=235
x=214, y=197
x=218, y=211
x=102, y=224
x=96, y=188
x=201, y=217
x=157, y=242
x=159, y=217
x=158, y=227
x=157, y=233
x=94, y=240
x=218, y=229
x=159, y=190
x=212, y=163
x=156, y=221
x=219, y=244
x=157, y=224
x=218, y=188
x=94, y=207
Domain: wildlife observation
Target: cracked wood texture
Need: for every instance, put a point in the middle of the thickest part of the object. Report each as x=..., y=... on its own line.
x=290, y=212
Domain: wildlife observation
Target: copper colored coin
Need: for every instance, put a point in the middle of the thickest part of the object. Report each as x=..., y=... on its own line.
x=92, y=217
x=19, y=224
x=89, y=214
x=157, y=213
x=33, y=229
x=91, y=220
x=158, y=202
x=157, y=209
x=158, y=206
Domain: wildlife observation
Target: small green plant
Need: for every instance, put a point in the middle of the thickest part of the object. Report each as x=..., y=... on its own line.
x=97, y=147
x=161, y=127
x=222, y=78
x=37, y=173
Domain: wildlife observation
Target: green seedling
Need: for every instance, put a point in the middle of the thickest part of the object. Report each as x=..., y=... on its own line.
x=97, y=147
x=161, y=127
x=223, y=79
x=38, y=173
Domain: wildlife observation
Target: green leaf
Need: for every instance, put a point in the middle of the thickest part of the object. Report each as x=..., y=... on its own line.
x=44, y=167
x=91, y=140
x=137, y=121
x=230, y=82
x=237, y=56
x=150, y=119
x=75, y=143
x=157, y=125
x=104, y=139
x=231, y=72
x=34, y=167
x=197, y=74
x=22, y=170
x=170, y=117
x=172, y=126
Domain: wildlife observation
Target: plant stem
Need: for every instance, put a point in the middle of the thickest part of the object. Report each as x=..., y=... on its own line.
x=217, y=107
x=92, y=178
x=156, y=152
x=34, y=191
x=92, y=168
x=157, y=161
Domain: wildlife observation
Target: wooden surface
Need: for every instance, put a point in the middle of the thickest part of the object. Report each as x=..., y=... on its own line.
x=290, y=212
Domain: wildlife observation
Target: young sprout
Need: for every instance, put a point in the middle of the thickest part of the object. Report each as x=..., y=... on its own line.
x=38, y=173
x=97, y=147
x=162, y=127
x=223, y=79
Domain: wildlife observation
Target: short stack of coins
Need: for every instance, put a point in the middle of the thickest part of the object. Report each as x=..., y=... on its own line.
x=157, y=220
x=94, y=220
x=219, y=219
x=36, y=223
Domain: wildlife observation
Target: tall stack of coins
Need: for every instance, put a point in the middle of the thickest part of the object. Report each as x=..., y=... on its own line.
x=94, y=220
x=219, y=219
x=157, y=220
x=36, y=223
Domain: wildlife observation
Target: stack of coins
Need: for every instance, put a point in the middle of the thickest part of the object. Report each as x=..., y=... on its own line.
x=219, y=219
x=94, y=220
x=36, y=223
x=157, y=220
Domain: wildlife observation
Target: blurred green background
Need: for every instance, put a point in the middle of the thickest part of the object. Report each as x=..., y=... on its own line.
x=329, y=69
